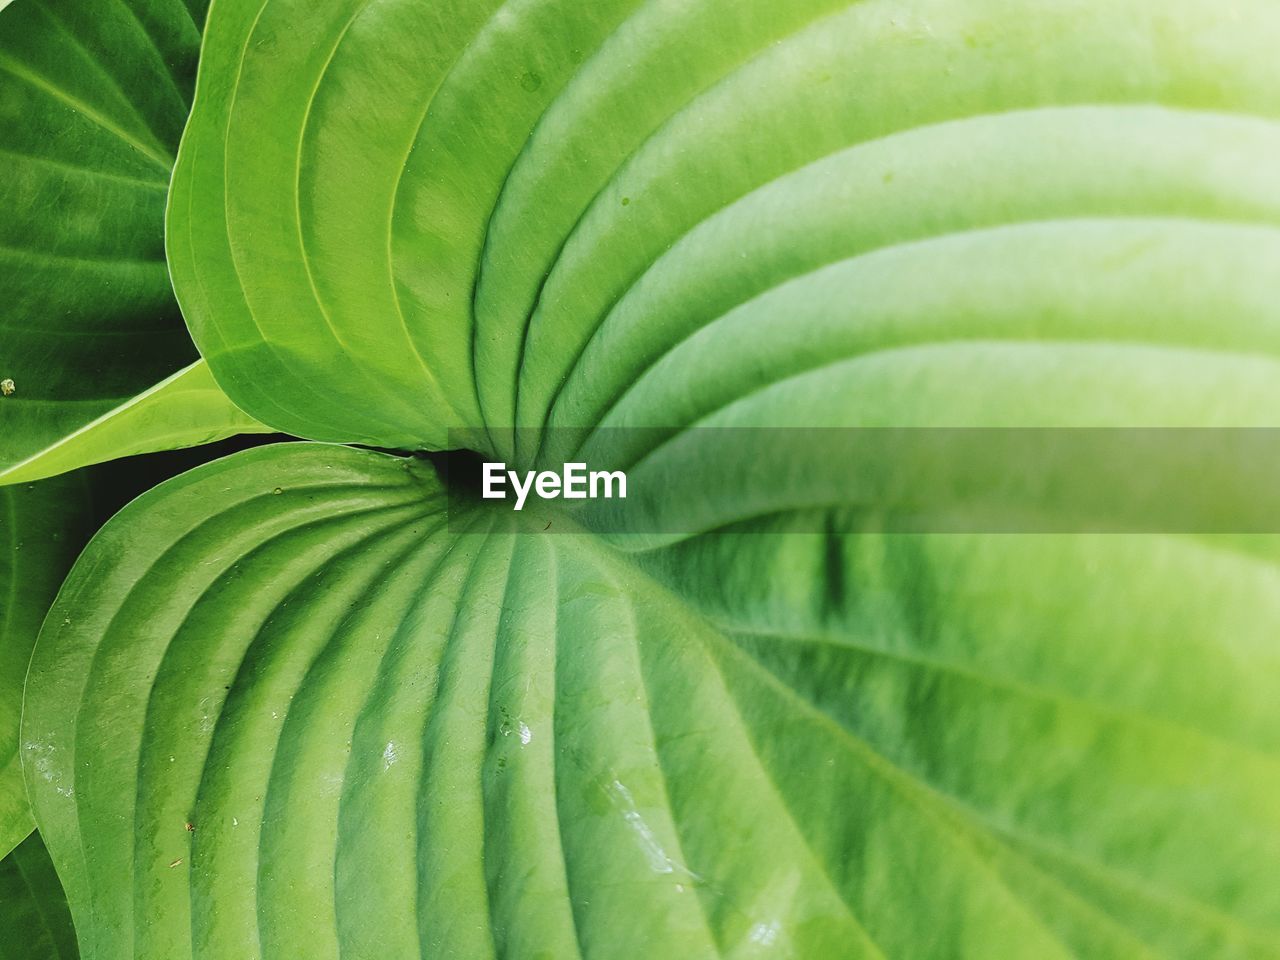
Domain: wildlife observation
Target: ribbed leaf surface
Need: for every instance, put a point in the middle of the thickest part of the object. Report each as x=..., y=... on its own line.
x=341, y=723
x=482, y=214
x=293, y=704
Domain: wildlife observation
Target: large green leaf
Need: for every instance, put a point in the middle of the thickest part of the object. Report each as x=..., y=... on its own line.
x=35, y=923
x=42, y=528
x=550, y=196
x=286, y=705
x=93, y=99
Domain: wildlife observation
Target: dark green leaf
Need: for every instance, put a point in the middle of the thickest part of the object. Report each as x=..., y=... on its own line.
x=93, y=99
x=35, y=923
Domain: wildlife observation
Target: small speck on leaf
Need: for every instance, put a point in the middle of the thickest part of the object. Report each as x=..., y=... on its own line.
x=175, y=863
x=278, y=490
x=8, y=387
x=189, y=827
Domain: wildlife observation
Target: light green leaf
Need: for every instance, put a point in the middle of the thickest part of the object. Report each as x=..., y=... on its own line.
x=549, y=197
x=185, y=410
x=396, y=730
x=93, y=99
x=42, y=528
x=35, y=923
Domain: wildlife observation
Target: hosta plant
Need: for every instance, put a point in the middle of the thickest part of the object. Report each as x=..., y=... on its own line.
x=322, y=699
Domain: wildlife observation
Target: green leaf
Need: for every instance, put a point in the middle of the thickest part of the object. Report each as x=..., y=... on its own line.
x=42, y=528
x=549, y=198
x=291, y=703
x=35, y=923
x=93, y=99
x=185, y=410
x=287, y=704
